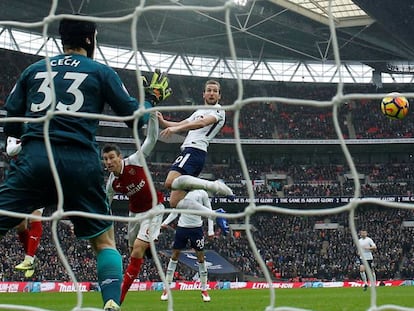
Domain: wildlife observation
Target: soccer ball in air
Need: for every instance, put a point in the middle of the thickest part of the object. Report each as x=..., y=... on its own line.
x=395, y=106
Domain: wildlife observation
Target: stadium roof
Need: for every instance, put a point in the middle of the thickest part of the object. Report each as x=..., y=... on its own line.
x=345, y=12
x=372, y=32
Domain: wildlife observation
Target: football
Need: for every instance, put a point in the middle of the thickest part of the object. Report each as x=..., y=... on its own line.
x=395, y=106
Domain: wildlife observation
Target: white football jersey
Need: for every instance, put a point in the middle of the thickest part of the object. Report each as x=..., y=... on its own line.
x=200, y=138
x=189, y=220
x=367, y=242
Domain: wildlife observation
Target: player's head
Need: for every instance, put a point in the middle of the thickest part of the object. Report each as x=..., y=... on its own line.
x=363, y=233
x=211, y=92
x=112, y=158
x=77, y=34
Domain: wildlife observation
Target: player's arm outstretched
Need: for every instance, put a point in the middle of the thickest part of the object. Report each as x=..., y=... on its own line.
x=171, y=127
x=152, y=135
x=166, y=123
x=110, y=192
x=169, y=220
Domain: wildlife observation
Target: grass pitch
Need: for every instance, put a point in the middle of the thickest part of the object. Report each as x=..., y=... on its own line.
x=317, y=299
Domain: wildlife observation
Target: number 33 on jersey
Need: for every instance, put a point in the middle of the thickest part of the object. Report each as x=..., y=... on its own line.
x=75, y=83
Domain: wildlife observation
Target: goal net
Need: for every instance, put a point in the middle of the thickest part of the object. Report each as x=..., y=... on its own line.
x=140, y=61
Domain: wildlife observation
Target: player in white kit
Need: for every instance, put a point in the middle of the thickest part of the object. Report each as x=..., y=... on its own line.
x=368, y=246
x=190, y=229
x=202, y=126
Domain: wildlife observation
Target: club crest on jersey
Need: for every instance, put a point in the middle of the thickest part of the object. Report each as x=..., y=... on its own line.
x=132, y=171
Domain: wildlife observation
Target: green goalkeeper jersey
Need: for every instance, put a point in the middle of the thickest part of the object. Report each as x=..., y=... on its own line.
x=81, y=85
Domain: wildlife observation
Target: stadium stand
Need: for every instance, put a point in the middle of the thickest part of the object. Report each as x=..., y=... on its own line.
x=291, y=246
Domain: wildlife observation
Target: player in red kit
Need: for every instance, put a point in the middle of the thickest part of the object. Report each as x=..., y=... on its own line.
x=128, y=177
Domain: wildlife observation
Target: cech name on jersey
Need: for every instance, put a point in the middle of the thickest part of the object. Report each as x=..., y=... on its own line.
x=66, y=61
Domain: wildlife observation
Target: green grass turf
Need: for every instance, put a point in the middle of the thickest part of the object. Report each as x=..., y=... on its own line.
x=318, y=299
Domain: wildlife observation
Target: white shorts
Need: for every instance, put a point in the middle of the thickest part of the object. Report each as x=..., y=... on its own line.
x=146, y=229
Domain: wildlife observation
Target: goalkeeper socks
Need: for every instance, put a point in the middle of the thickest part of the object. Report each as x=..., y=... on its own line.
x=23, y=238
x=109, y=268
x=202, y=270
x=172, y=265
x=34, y=236
x=130, y=275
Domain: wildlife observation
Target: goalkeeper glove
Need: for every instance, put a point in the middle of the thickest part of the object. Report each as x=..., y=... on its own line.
x=157, y=90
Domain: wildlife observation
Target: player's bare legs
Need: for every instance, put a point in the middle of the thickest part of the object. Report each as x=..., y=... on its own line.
x=109, y=267
x=202, y=270
x=176, y=195
x=363, y=276
x=139, y=248
x=140, y=235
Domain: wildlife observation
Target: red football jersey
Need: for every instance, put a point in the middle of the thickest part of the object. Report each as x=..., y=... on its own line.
x=133, y=182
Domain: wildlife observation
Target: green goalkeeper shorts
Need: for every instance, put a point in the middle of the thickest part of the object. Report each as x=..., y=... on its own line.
x=30, y=185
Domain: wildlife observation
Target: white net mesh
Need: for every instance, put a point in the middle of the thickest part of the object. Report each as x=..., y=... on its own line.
x=238, y=105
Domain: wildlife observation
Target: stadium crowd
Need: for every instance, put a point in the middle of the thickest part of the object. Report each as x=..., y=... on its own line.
x=266, y=120
x=291, y=246
x=304, y=180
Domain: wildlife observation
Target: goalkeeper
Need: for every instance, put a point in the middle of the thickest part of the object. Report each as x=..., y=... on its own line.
x=79, y=85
